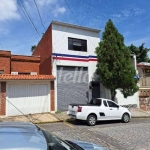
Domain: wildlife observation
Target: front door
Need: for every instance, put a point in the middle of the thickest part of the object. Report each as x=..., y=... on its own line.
x=114, y=111
x=95, y=89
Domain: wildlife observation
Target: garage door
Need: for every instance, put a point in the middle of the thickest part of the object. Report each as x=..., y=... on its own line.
x=29, y=98
x=72, y=86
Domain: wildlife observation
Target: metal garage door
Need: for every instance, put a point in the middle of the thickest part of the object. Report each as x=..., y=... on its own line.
x=72, y=86
x=29, y=98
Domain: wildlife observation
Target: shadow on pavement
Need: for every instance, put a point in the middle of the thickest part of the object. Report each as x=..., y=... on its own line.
x=83, y=123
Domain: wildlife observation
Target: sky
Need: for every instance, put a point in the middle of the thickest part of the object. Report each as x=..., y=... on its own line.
x=17, y=34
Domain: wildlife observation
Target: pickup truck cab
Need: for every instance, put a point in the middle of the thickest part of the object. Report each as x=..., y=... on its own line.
x=99, y=109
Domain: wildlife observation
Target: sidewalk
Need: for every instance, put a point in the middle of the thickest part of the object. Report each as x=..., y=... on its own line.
x=34, y=118
x=139, y=113
x=62, y=116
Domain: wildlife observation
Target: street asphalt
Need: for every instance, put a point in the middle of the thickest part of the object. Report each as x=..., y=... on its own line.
x=114, y=135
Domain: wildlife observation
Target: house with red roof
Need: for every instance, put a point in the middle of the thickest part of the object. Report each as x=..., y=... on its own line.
x=23, y=87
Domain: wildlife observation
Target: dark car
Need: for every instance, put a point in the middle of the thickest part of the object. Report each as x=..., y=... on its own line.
x=27, y=136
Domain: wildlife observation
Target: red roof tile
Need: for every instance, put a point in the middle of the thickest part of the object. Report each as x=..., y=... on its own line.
x=26, y=77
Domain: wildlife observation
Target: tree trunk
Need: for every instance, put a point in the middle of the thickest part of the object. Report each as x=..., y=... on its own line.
x=113, y=94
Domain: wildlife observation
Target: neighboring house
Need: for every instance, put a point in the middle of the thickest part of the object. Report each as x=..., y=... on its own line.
x=22, y=86
x=143, y=69
x=68, y=52
x=144, y=82
x=144, y=85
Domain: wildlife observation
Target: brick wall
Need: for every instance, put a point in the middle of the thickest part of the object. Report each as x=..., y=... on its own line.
x=52, y=93
x=5, y=64
x=44, y=50
x=145, y=103
x=25, y=63
x=3, y=98
x=20, y=66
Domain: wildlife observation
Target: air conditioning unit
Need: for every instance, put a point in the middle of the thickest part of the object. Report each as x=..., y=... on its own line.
x=33, y=73
x=14, y=73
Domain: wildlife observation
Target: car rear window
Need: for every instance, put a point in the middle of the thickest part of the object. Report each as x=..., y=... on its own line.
x=96, y=102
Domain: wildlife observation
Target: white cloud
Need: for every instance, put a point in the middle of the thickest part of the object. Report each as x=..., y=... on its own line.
x=46, y=2
x=51, y=6
x=139, y=41
x=126, y=13
x=59, y=10
x=116, y=15
x=8, y=10
x=138, y=11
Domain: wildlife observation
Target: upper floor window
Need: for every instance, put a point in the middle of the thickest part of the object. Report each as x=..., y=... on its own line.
x=1, y=71
x=77, y=44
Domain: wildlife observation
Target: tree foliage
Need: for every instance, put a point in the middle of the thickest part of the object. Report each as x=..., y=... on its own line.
x=114, y=65
x=140, y=52
x=33, y=48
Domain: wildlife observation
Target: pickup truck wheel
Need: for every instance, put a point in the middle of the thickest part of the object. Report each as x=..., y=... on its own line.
x=91, y=120
x=125, y=118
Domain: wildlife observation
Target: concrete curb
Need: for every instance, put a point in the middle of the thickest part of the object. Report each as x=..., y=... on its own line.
x=140, y=117
x=48, y=122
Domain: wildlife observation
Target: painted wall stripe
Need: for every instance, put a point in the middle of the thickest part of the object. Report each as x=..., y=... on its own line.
x=74, y=59
x=76, y=56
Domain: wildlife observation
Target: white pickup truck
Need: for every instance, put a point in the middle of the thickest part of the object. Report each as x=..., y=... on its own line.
x=97, y=110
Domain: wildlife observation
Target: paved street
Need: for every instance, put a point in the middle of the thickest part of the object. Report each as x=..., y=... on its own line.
x=113, y=135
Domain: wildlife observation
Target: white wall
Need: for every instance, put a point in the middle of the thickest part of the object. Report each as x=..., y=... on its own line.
x=60, y=36
x=127, y=101
x=130, y=99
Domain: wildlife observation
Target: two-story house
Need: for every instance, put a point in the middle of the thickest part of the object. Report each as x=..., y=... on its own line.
x=68, y=52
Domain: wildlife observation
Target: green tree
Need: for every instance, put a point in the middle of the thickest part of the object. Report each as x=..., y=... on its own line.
x=140, y=52
x=114, y=68
x=33, y=48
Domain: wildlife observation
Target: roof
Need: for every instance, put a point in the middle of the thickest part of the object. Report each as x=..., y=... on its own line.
x=25, y=58
x=5, y=53
x=75, y=26
x=26, y=77
x=144, y=64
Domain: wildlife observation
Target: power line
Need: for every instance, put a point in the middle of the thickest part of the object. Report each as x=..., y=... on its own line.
x=23, y=14
x=76, y=19
x=71, y=12
x=29, y=16
x=39, y=14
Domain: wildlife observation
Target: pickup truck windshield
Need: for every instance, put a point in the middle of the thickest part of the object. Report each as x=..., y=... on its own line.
x=96, y=102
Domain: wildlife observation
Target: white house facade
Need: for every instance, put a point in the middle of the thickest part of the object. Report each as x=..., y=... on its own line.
x=73, y=62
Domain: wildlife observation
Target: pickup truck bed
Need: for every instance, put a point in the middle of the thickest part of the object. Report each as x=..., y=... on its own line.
x=82, y=105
